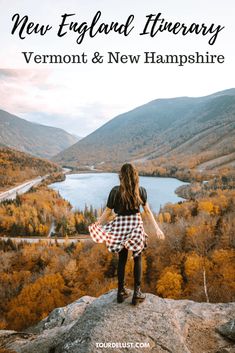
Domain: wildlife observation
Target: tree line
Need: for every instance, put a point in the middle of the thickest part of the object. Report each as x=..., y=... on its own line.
x=196, y=261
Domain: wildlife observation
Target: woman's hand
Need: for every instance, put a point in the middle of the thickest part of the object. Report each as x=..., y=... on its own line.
x=160, y=233
x=150, y=217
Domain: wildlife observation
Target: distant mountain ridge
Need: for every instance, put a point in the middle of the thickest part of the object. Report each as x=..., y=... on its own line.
x=36, y=139
x=179, y=129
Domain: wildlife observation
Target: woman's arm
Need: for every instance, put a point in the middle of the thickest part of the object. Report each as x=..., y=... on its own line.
x=151, y=218
x=105, y=217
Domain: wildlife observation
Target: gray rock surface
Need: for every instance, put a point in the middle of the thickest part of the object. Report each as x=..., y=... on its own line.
x=228, y=329
x=43, y=337
x=162, y=325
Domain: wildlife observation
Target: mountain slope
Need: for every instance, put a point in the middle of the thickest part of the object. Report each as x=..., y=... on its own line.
x=17, y=167
x=38, y=140
x=177, y=128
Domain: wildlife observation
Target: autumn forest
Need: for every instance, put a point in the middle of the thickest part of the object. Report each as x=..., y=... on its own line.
x=193, y=141
x=197, y=260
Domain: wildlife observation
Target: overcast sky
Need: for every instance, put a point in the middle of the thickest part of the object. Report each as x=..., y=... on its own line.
x=79, y=98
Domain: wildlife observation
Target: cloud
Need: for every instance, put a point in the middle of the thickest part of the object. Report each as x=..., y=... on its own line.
x=34, y=76
x=80, y=101
x=54, y=98
x=24, y=90
x=6, y=73
x=82, y=121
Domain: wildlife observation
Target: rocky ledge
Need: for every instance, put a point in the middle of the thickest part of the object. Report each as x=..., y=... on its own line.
x=96, y=325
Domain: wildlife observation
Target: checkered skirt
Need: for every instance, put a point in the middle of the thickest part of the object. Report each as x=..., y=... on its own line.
x=123, y=231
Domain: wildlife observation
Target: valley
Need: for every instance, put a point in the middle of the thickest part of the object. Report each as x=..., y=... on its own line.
x=176, y=135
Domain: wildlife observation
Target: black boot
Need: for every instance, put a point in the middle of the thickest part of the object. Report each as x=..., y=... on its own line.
x=122, y=293
x=138, y=296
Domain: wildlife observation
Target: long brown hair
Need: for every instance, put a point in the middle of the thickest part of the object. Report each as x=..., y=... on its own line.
x=129, y=186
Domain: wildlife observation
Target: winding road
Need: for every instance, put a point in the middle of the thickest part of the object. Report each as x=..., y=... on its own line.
x=10, y=194
x=82, y=237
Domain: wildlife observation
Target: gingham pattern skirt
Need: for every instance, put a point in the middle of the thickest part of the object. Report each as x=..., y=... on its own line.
x=123, y=231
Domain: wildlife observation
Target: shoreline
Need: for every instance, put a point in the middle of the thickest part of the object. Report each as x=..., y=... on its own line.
x=95, y=171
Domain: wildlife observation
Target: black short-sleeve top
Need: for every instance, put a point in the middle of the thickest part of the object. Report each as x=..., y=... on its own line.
x=114, y=201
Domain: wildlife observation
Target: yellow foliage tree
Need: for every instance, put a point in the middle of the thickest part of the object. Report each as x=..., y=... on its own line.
x=35, y=301
x=197, y=269
x=191, y=231
x=206, y=206
x=167, y=217
x=169, y=284
x=160, y=218
x=224, y=270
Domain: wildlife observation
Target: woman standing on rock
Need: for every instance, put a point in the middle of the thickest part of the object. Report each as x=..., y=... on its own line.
x=125, y=232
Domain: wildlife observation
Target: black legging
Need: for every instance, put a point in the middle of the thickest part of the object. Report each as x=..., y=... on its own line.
x=123, y=254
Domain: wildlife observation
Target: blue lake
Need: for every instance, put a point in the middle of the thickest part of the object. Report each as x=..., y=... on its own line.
x=93, y=189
